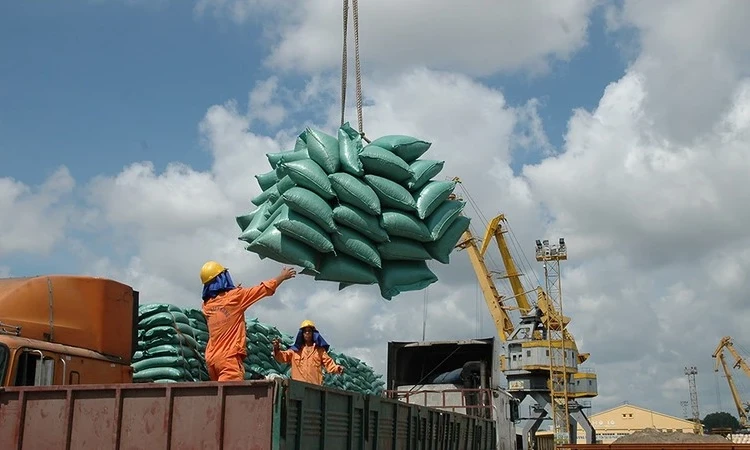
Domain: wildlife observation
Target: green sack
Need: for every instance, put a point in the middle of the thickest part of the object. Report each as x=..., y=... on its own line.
x=401, y=276
x=170, y=318
x=186, y=328
x=432, y=195
x=300, y=145
x=275, y=158
x=254, y=229
x=161, y=335
x=405, y=147
x=354, y=244
x=200, y=327
x=271, y=194
x=275, y=245
x=163, y=373
x=159, y=361
x=350, y=146
x=391, y=194
x=443, y=217
x=310, y=205
x=307, y=173
x=285, y=184
x=148, y=309
x=346, y=270
x=303, y=229
x=266, y=180
x=137, y=356
x=169, y=350
x=424, y=170
x=355, y=192
x=441, y=249
x=360, y=221
x=244, y=220
x=323, y=149
x=403, y=250
x=381, y=162
x=406, y=225
x=195, y=314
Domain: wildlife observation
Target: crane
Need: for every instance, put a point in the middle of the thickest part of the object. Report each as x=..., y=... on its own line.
x=528, y=363
x=742, y=407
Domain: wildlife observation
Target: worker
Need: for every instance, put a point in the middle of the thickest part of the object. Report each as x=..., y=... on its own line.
x=224, y=306
x=308, y=356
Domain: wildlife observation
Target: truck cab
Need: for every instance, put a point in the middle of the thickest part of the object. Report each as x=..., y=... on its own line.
x=61, y=330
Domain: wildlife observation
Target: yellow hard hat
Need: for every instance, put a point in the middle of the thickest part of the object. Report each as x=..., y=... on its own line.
x=307, y=323
x=211, y=270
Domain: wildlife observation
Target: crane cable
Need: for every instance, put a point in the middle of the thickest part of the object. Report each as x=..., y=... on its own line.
x=357, y=66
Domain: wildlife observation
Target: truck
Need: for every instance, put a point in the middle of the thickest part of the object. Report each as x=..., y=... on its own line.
x=459, y=376
x=62, y=330
x=66, y=345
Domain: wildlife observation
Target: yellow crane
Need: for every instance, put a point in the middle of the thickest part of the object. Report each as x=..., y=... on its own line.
x=726, y=343
x=529, y=363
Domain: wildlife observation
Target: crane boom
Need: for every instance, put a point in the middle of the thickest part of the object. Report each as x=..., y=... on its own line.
x=493, y=298
x=726, y=343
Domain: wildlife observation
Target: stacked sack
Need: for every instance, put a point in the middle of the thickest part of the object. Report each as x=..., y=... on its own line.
x=172, y=346
x=259, y=359
x=357, y=376
x=168, y=350
x=355, y=214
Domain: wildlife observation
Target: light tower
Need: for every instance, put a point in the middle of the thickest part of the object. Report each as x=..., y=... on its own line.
x=684, y=404
x=691, y=372
x=550, y=256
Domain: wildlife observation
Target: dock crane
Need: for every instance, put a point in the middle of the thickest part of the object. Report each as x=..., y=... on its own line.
x=527, y=361
x=742, y=407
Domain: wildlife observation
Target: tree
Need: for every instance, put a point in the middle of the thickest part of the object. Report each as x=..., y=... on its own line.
x=720, y=420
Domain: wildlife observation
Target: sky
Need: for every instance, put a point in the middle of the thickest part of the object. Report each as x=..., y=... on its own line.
x=130, y=132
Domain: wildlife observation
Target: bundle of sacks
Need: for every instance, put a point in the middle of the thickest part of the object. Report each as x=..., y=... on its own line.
x=172, y=345
x=168, y=348
x=355, y=214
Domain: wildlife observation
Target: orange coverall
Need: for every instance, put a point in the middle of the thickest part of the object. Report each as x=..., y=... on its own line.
x=307, y=362
x=225, y=315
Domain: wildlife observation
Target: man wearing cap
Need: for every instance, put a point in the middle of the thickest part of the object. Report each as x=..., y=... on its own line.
x=308, y=356
x=224, y=306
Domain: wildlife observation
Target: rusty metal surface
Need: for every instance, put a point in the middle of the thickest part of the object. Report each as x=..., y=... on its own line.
x=252, y=415
x=139, y=416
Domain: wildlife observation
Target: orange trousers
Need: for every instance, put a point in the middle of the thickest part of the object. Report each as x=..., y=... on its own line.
x=226, y=369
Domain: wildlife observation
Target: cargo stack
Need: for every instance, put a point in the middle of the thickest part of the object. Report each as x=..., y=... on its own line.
x=172, y=346
x=355, y=214
x=357, y=376
x=168, y=350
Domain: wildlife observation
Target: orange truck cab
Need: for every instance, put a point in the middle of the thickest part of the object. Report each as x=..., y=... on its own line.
x=62, y=330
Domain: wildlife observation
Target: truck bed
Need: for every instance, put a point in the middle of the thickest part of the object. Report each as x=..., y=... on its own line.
x=256, y=415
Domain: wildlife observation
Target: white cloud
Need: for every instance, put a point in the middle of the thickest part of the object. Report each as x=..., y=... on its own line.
x=693, y=54
x=34, y=219
x=495, y=36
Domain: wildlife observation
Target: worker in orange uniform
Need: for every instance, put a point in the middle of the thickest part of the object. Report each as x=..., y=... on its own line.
x=308, y=356
x=224, y=306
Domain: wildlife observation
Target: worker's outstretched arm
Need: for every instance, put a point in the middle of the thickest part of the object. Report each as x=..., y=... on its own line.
x=330, y=364
x=281, y=356
x=265, y=288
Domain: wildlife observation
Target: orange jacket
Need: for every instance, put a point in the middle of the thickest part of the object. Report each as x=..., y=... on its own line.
x=307, y=363
x=225, y=315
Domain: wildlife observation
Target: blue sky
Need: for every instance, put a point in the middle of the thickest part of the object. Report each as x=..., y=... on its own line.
x=96, y=86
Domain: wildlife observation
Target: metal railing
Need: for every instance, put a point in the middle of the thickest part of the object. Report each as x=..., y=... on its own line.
x=479, y=400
